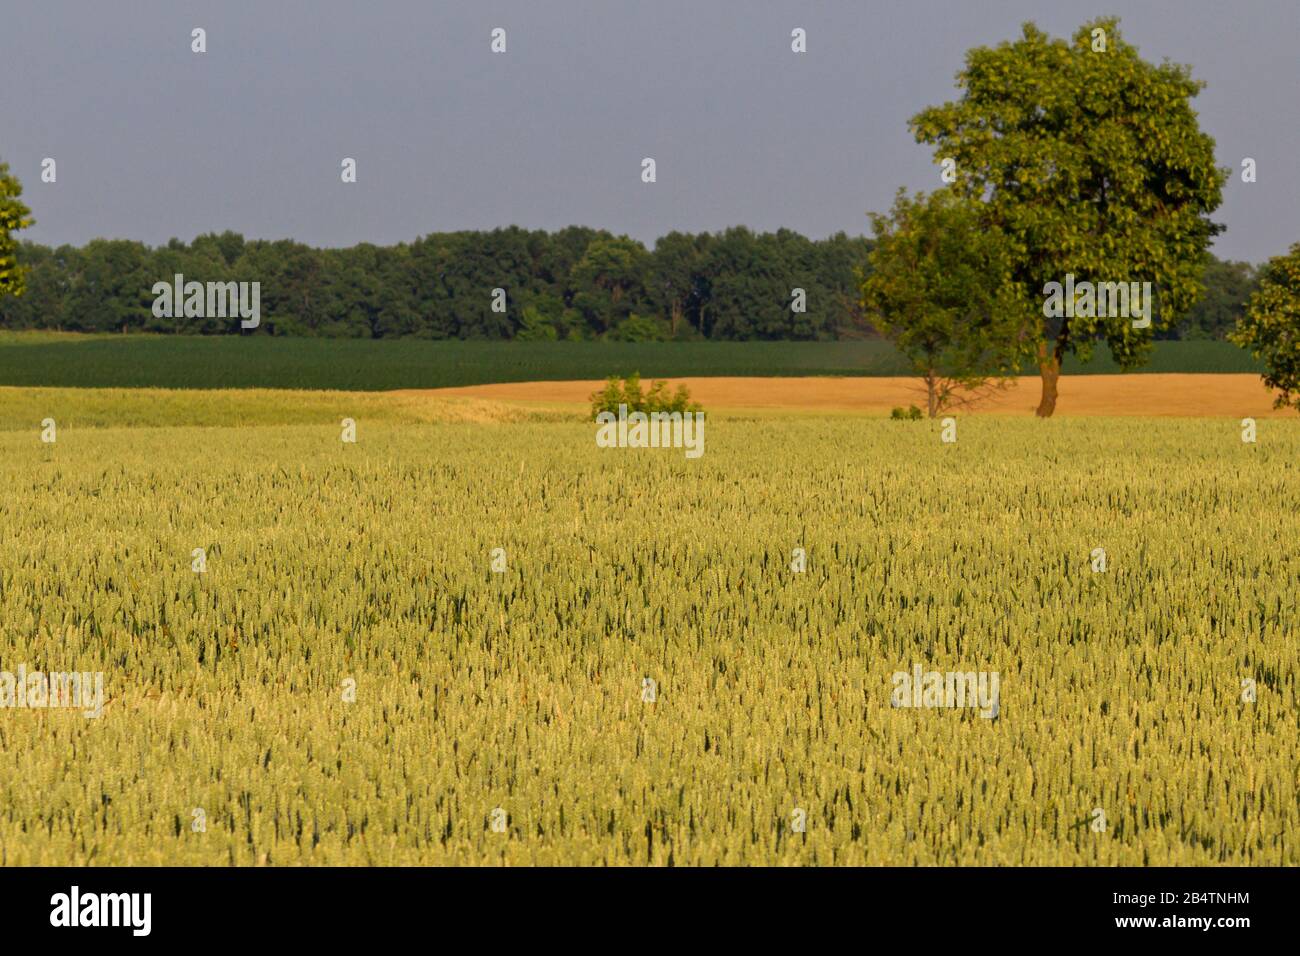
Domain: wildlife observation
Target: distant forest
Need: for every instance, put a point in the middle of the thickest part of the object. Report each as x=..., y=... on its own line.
x=576, y=284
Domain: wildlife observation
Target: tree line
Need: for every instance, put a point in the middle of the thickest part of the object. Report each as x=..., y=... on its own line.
x=576, y=283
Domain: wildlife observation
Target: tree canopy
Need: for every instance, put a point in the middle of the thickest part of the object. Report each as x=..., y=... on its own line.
x=1271, y=327
x=940, y=288
x=13, y=217
x=577, y=283
x=1091, y=162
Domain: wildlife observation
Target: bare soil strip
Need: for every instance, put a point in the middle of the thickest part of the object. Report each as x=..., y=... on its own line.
x=1155, y=394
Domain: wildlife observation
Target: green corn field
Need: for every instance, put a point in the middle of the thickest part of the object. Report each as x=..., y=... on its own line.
x=350, y=681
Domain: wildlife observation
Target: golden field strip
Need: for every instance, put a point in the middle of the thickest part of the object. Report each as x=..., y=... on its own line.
x=328, y=562
x=1146, y=394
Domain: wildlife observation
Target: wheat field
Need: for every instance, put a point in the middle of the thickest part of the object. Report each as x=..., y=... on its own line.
x=350, y=681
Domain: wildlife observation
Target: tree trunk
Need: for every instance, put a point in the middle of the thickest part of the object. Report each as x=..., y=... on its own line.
x=932, y=397
x=1049, y=367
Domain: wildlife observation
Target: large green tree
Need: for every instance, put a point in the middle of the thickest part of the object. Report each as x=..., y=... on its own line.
x=1091, y=162
x=13, y=216
x=941, y=290
x=1271, y=326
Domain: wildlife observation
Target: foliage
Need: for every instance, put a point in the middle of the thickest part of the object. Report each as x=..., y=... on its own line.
x=1091, y=162
x=1271, y=328
x=629, y=392
x=640, y=328
x=609, y=279
x=13, y=217
x=536, y=326
x=909, y=414
x=573, y=284
x=438, y=287
x=1228, y=287
x=940, y=289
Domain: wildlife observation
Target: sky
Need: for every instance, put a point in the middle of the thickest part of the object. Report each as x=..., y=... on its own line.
x=154, y=141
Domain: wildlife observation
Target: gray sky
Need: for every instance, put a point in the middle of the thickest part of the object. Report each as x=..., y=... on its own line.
x=153, y=141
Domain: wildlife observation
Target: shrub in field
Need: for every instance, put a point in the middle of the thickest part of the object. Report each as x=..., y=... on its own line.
x=628, y=392
x=909, y=414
